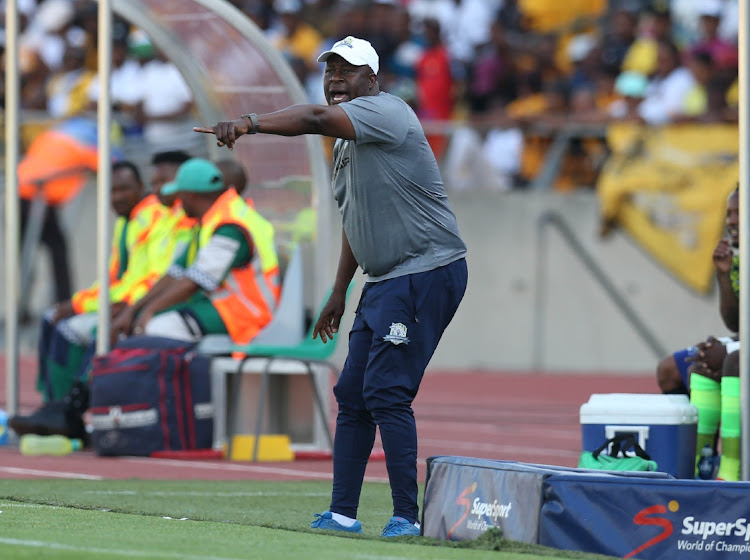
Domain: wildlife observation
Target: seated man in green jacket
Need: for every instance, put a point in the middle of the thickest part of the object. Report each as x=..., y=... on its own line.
x=225, y=282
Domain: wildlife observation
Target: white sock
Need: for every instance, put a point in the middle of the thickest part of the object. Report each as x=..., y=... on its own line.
x=343, y=519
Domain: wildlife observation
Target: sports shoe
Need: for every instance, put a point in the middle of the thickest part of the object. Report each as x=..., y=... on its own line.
x=54, y=417
x=400, y=527
x=47, y=420
x=326, y=521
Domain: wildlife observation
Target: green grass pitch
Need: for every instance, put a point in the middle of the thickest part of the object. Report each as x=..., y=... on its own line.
x=212, y=520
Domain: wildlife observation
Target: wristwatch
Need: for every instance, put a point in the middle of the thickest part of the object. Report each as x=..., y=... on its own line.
x=253, y=121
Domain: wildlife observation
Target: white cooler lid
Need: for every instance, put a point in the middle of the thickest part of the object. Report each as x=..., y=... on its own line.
x=629, y=408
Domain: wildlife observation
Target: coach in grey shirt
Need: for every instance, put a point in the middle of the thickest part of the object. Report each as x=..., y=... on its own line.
x=399, y=228
x=390, y=193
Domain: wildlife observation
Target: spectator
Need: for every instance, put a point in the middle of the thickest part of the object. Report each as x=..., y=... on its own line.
x=261, y=12
x=491, y=77
x=320, y=15
x=631, y=88
x=442, y=10
x=55, y=167
x=45, y=36
x=380, y=31
x=511, y=18
x=435, y=87
x=67, y=90
x=470, y=27
x=583, y=55
x=723, y=54
x=654, y=26
x=618, y=39
x=125, y=88
x=229, y=286
x=296, y=39
x=667, y=89
x=166, y=104
x=696, y=106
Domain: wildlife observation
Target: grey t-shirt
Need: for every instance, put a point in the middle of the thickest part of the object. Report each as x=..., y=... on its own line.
x=388, y=187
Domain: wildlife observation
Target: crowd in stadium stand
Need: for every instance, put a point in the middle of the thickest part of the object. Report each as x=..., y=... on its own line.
x=514, y=70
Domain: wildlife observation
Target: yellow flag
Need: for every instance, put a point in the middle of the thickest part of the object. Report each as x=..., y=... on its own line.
x=668, y=188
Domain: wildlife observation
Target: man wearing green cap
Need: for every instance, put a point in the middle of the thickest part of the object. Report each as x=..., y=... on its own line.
x=227, y=279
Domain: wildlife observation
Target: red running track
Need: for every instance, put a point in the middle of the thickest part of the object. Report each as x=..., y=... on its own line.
x=518, y=416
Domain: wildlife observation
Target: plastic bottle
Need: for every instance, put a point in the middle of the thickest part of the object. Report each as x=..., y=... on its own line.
x=706, y=463
x=3, y=427
x=32, y=444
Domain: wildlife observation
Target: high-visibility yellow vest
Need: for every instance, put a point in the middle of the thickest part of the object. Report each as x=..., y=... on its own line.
x=171, y=235
x=124, y=277
x=248, y=296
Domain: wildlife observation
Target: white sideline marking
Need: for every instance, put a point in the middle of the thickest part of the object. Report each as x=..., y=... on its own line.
x=22, y=505
x=378, y=557
x=54, y=474
x=115, y=551
x=211, y=494
x=246, y=468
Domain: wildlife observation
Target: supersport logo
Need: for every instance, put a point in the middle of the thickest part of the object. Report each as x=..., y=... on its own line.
x=463, y=500
x=651, y=516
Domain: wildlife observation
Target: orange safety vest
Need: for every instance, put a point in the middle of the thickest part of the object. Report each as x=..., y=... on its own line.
x=247, y=298
x=128, y=285
x=56, y=165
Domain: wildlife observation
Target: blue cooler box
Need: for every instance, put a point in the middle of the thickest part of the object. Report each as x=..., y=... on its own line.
x=665, y=425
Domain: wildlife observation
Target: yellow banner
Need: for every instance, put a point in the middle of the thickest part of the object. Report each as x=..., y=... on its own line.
x=668, y=188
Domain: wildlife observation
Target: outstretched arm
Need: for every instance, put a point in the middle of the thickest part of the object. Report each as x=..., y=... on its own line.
x=292, y=121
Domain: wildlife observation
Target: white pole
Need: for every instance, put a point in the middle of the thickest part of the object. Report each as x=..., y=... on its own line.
x=104, y=173
x=744, y=124
x=12, y=94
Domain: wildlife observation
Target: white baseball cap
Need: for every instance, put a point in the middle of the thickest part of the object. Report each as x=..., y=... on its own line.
x=355, y=51
x=711, y=8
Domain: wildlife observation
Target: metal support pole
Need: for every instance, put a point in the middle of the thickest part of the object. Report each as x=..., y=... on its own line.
x=744, y=123
x=104, y=171
x=12, y=95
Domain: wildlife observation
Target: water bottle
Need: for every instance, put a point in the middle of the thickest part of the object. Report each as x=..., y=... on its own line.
x=706, y=463
x=32, y=444
x=3, y=427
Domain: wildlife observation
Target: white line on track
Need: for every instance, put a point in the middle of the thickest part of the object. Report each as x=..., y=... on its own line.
x=499, y=448
x=504, y=430
x=109, y=551
x=54, y=474
x=215, y=494
x=279, y=471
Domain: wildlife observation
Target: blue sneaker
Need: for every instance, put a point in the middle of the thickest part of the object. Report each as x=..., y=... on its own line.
x=400, y=527
x=326, y=521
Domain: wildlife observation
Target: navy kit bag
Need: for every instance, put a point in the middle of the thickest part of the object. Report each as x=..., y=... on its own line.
x=151, y=394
